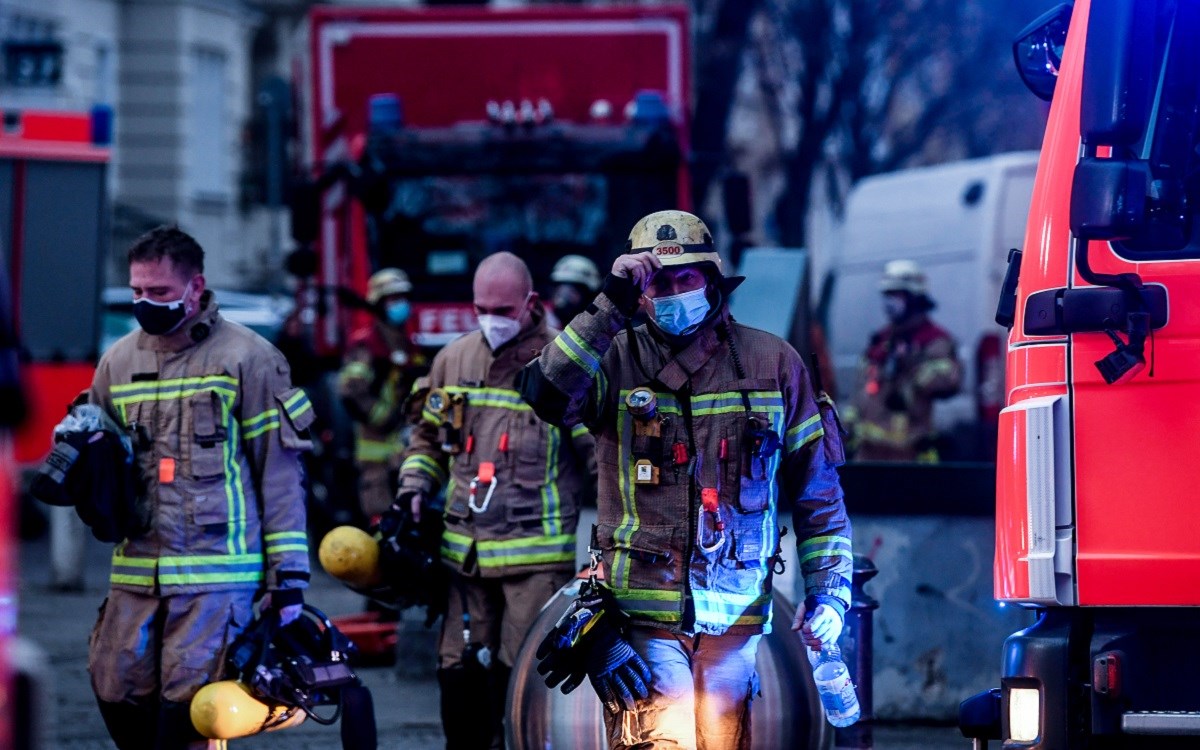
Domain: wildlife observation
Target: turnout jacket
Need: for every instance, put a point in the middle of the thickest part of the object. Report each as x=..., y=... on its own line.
x=669, y=559
x=541, y=471
x=905, y=369
x=217, y=431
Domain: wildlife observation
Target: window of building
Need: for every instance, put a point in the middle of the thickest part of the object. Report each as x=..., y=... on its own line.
x=209, y=175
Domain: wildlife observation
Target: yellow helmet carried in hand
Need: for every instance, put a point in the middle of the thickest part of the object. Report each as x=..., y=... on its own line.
x=676, y=238
x=385, y=282
x=228, y=709
x=351, y=555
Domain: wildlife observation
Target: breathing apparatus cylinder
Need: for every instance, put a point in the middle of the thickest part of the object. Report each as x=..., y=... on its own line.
x=227, y=709
x=351, y=555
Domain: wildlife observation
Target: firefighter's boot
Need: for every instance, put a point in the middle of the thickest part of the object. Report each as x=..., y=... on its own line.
x=175, y=729
x=467, y=709
x=498, y=685
x=128, y=723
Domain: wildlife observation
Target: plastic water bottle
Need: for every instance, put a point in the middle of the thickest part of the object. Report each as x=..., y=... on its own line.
x=834, y=686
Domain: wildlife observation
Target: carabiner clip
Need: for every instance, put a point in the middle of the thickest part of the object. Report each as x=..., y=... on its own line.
x=487, y=475
x=710, y=548
x=710, y=506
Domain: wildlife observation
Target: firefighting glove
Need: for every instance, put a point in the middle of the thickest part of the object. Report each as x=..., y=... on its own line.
x=589, y=639
x=287, y=603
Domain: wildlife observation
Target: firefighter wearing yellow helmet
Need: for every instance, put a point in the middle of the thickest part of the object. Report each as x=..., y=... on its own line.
x=706, y=430
x=380, y=368
x=908, y=364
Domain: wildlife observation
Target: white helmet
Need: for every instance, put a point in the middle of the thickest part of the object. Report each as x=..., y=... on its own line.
x=904, y=276
x=576, y=269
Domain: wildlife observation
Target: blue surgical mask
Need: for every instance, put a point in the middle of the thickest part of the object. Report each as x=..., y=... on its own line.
x=680, y=314
x=398, y=312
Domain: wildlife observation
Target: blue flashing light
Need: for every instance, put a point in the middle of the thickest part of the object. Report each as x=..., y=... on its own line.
x=385, y=113
x=650, y=108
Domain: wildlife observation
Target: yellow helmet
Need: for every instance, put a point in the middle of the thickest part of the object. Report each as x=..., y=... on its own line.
x=228, y=709
x=351, y=555
x=903, y=276
x=677, y=238
x=387, y=281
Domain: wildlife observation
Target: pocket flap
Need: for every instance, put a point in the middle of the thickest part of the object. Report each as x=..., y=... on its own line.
x=647, y=543
x=296, y=416
x=204, y=415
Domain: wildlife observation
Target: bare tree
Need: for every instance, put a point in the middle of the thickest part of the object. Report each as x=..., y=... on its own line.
x=853, y=88
x=721, y=30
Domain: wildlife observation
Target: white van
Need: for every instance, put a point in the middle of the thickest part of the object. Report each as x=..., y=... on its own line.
x=958, y=221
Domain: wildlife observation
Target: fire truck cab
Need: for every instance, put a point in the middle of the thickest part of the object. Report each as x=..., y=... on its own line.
x=1095, y=519
x=551, y=131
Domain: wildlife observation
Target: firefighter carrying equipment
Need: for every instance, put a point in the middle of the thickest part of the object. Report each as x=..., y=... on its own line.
x=387, y=282
x=590, y=639
x=278, y=676
x=218, y=431
x=576, y=269
x=91, y=469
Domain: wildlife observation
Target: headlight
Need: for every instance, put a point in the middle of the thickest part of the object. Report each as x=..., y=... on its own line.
x=1024, y=714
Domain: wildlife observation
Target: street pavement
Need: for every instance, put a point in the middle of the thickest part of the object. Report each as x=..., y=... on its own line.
x=405, y=695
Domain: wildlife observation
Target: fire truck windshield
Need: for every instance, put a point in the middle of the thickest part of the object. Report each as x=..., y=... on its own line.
x=438, y=228
x=1171, y=140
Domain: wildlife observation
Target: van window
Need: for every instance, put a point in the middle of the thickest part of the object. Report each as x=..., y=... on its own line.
x=1172, y=229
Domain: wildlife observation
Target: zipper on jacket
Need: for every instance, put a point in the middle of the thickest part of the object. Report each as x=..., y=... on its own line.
x=688, y=605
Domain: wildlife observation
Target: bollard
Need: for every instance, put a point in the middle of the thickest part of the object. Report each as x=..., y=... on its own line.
x=68, y=545
x=857, y=644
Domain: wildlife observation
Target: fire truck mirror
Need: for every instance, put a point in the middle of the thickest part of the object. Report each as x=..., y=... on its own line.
x=1118, y=86
x=1038, y=50
x=1108, y=198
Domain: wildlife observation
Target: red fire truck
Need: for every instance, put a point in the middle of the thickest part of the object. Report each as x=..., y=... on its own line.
x=435, y=137
x=1095, y=515
x=53, y=239
x=54, y=231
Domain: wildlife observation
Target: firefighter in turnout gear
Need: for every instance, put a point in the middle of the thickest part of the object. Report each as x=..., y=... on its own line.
x=381, y=366
x=705, y=431
x=576, y=281
x=512, y=486
x=909, y=364
x=217, y=432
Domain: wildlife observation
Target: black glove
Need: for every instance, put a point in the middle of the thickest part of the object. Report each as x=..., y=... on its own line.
x=589, y=639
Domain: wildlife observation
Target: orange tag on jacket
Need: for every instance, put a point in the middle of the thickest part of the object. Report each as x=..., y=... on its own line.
x=166, y=470
x=487, y=472
x=708, y=499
